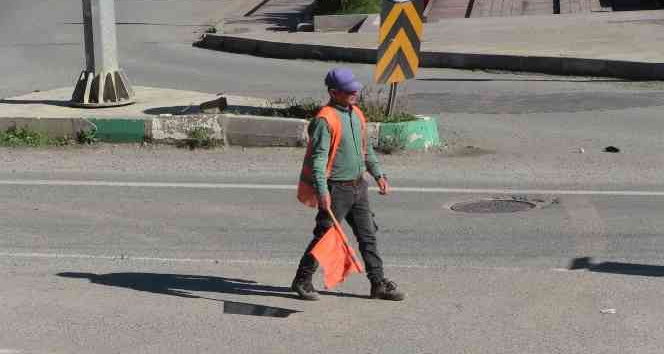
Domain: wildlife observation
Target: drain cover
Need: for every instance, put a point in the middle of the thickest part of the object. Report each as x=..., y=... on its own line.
x=493, y=206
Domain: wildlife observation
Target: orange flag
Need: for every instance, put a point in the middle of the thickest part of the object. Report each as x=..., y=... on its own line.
x=335, y=256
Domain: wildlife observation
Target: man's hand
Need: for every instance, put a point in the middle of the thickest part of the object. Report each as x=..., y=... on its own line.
x=383, y=186
x=324, y=202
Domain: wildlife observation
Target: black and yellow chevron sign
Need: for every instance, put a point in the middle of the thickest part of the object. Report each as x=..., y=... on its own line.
x=399, y=41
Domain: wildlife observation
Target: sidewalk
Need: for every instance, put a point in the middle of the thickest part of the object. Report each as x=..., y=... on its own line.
x=613, y=44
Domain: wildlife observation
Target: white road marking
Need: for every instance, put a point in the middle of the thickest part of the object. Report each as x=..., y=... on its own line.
x=265, y=262
x=293, y=187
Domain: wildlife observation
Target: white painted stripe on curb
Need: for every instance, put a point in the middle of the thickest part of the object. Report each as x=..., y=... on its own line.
x=292, y=187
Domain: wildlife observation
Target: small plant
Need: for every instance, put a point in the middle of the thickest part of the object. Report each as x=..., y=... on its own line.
x=14, y=137
x=329, y=7
x=211, y=29
x=305, y=109
x=374, y=106
x=372, y=103
x=201, y=137
x=64, y=141
x=87, y=137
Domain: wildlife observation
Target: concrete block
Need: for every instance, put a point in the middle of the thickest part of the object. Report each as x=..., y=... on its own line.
x=174, y=128
x=427, y=9
x=371, y=24
x=51, y=127
x=265, y=131
x=338, y=23
x=214, y=106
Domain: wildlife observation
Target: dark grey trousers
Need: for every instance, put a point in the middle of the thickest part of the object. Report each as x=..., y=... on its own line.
x=349, y=202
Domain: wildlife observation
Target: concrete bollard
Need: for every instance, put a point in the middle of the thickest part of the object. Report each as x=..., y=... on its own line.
x=102, y=83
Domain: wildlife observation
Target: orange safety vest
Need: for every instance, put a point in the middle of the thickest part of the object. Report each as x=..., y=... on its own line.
x=306, y=193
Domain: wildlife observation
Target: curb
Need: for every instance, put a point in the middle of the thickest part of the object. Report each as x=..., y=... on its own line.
x=420, y=134
x=224, y=129
x=541, y=64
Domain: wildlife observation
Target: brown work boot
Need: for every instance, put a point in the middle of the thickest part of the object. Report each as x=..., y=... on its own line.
x=386, y=290
x=305, y=289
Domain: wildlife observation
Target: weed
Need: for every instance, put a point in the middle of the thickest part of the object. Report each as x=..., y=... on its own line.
x=305, y=108
x=374, y=105
x=338, y=7
x=14, y=137
x=87, y=137
x=201, y=137
x=22, y=137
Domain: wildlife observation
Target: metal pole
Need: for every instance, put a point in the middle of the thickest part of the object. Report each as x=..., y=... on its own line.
x=392, y=100
x=102, y=83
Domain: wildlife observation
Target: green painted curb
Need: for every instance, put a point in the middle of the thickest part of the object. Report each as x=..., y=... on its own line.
x=419, y=134
x=115, y=130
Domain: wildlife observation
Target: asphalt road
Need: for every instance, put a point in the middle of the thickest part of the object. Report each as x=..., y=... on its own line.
x=99, y=263
x=198, y=266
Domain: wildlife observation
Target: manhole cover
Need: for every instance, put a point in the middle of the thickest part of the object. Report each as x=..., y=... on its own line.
x=493, y=206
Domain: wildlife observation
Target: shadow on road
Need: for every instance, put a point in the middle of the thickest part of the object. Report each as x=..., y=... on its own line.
x=617, y=267
x=46, y=102
x=183, y=285
x=174, y=110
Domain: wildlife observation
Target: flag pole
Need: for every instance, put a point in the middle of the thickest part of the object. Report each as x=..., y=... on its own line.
x=338, y=226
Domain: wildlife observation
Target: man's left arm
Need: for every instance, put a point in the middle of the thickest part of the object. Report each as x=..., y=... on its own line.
x=374, y=170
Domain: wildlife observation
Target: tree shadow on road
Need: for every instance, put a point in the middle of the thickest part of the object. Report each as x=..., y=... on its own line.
x=617, y=267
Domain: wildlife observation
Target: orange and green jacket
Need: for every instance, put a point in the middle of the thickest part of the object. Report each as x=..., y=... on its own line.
x=338, y=150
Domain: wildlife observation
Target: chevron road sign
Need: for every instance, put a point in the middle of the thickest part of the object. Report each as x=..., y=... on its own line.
x=399, y=41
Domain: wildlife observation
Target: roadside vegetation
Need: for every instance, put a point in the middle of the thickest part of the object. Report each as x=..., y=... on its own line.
x=200, y=137
x=25, y=137
x=373, y=104
x=343, y=7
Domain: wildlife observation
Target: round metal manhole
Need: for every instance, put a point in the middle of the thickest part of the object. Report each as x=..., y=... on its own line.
x=493, y=206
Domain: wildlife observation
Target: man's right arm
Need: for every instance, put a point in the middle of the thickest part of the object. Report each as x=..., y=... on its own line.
x=319, y=134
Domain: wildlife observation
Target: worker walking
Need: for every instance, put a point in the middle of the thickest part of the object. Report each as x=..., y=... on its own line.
x=333, y=179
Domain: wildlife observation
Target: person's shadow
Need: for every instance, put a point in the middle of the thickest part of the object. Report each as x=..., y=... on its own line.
x=184, y=285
